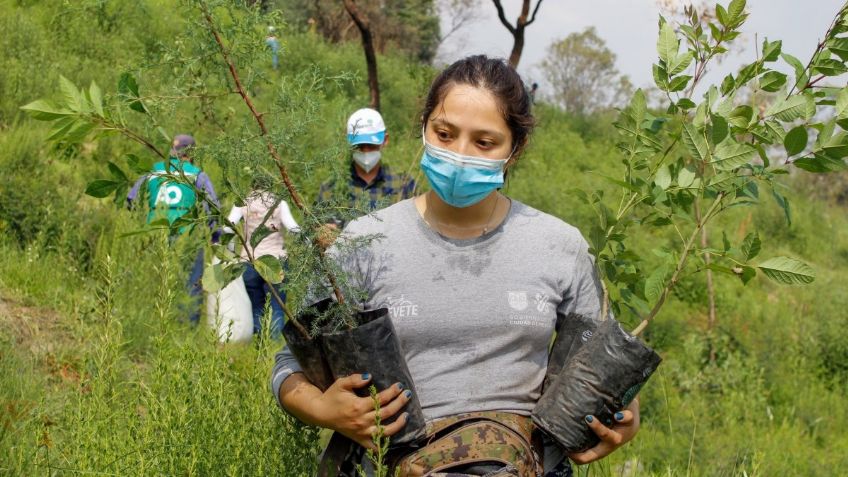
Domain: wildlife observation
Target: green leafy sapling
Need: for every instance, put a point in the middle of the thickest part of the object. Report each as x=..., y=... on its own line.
x=685, y=166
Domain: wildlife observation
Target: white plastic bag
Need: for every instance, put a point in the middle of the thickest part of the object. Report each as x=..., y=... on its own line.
x=229, y=312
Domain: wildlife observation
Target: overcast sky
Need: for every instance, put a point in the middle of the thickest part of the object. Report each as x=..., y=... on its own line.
x=629, y=27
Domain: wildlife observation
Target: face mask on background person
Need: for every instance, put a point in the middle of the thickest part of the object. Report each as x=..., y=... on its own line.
x=366, y=160
x=461, y=181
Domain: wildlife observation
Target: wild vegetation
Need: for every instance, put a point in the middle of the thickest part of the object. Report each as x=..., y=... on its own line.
x=100, y=373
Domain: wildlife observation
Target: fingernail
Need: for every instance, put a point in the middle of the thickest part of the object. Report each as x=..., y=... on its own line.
x=589, y=418
x=619, y=416
x=400, y=385
x=366, y=376
x=408, y=393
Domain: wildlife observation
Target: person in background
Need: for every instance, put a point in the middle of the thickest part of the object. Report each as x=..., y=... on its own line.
x=371, y=183
x=171, y=199
x=274, y=44
x=533, y=89
x=258, y=206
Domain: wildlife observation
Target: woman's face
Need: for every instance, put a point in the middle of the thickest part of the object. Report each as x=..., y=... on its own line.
x=468, y=122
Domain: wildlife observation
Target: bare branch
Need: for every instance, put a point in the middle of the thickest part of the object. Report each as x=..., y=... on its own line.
x=502, y=16
x=533, y=16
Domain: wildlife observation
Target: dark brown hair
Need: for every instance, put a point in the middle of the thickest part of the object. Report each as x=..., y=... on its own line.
x=496, y=76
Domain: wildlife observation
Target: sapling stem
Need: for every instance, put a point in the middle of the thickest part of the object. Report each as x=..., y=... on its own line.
x=681, y=264
x=272, y=150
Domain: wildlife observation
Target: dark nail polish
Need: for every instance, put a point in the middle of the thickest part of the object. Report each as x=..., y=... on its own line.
x=619, y=416
x=589, y=418
x=408, y=393
x=366, y=376
x=400, y=386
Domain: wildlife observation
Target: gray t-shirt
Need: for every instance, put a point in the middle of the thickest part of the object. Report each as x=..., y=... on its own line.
x=474, y=317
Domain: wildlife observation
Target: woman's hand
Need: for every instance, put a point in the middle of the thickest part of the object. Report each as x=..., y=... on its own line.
x=625, y=428
x=341, y=410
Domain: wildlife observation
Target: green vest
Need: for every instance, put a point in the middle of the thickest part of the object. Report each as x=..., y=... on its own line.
x=169, y=198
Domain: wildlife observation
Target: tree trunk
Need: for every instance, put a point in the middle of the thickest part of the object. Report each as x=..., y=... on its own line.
x=368, y=46
x=517, y=31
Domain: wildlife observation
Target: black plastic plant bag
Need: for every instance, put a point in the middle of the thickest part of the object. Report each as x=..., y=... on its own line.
x=602, y=377
x=572, y=332
x=373, y=347
x=309, y=352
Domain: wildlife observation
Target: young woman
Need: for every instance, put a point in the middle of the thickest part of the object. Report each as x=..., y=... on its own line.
x=473, y=281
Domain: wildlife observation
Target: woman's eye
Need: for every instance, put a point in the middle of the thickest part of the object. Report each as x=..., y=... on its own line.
x=485, y=144
x=443, y=135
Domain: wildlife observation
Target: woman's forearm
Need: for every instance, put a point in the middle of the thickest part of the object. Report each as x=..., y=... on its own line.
x=301, y=399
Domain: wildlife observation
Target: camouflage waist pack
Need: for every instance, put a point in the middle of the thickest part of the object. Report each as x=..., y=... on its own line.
x=500, y=443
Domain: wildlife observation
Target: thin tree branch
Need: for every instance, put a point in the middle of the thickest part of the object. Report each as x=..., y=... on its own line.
x=533, y=16
x=502, y=16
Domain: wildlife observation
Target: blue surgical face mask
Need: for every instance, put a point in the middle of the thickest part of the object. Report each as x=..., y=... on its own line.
x=461, y=181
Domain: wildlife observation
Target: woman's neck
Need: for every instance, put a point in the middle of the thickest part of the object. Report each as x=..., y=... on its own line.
x=462, y=222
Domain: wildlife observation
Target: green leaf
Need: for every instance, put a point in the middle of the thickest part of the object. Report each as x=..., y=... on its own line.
x=45, y=111
x=829, y=67
x=685, y=178
x=655, y=283
x=788, y=271
x=663, y=178
x=638, y=106
x=218, y=275
x=695, y=143
x=741, y=116
x=842, y=104
x=751, y=246
x=775, y=130
x=795, y=63
x=686, y=104
x=96, y=98
x=839, y=47
x=139, y=165
x=163, y=133
x=788, y=110
x=747, y=274
x=720, y=129
x=61, y=128
x=70, y=93
x=260, y=233
x=78, y=132
x=117, y=173
x=660, y=77
x=819, y=163
x=127, y=85
x=729, y=155
x=679, y=83
x=784, y=204
x=796, y=140
x=667, y=44
x=269, y=267
x=101, y=188
x=727, y=84
x=721, y=14
x=771, y=50
x=772, y=81
x=680, y=63
x=836, y=146
x=735, y=11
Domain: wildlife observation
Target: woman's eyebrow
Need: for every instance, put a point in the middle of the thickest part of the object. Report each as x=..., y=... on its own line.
x=450, y=125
